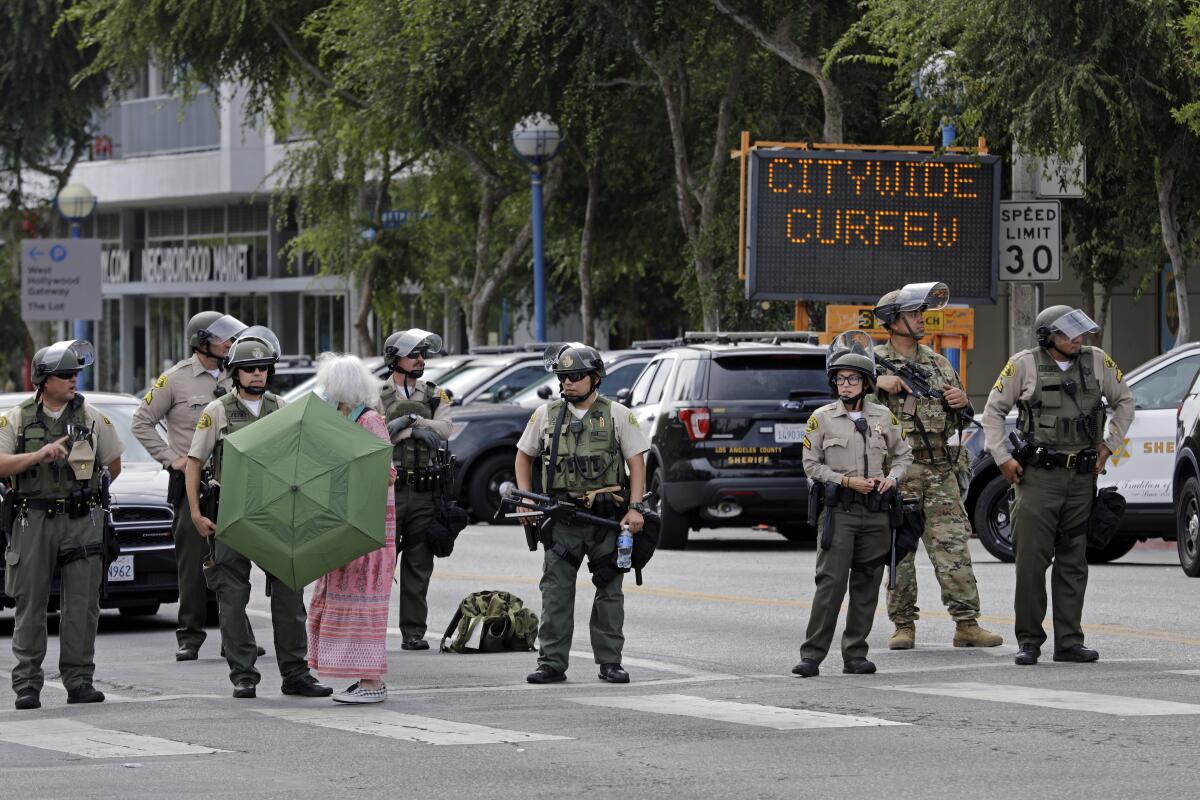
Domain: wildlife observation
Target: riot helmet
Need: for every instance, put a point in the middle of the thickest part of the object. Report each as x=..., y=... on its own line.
x=930, y=296
x=574, y=358
x=212, y=326
x=62, y=359
x=852, y=350
x=1064, y=320
x=409, y=343
x=253, y=351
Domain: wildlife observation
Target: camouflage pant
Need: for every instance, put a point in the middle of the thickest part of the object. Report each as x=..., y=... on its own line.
x=947, y=533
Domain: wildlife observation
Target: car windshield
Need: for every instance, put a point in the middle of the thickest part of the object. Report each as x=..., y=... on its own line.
x=767, y=376
x=461, y=381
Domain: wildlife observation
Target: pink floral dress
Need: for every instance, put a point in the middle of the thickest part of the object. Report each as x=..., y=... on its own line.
x=347, y=618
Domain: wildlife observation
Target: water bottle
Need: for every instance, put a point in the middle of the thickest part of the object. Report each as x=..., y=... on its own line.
x=625, y=548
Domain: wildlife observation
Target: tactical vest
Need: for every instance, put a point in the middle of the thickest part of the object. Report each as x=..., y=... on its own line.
x=589, y=456
x=1065, y=412
x=237, y=416
x=409, y=454
x=54, y=480
x=939, y=425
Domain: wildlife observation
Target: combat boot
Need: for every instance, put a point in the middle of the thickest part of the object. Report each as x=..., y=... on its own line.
x=905, y=637
x=967, y=633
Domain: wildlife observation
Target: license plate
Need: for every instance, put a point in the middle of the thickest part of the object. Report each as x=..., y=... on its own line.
x=121, y=569
x=788, y=432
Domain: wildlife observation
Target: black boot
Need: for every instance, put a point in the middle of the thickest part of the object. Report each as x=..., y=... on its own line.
x=545, y=674
x=85, y=693
x=28, y=699
x=807, y=668
x=613, y=673
x=1078, y=654
x=1027, y=656
x=245, y=689
x=306, y=686
x=859, y=666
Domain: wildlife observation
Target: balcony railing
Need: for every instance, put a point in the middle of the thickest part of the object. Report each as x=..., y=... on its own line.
x=155, y=126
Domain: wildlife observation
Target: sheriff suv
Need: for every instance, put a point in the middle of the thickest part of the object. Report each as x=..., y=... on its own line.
x=725, y=415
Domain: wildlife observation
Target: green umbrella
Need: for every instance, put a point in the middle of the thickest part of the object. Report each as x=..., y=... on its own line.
x=303, y=491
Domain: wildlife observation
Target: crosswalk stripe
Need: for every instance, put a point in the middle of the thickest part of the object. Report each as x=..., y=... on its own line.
x=82, y=739
x=375, y=721
x=779, y=718
x=1115, y=705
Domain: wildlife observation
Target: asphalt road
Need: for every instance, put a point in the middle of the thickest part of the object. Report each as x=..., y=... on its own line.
x=713, y=711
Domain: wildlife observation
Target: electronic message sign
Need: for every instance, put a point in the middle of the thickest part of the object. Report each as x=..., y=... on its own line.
x=852, y=225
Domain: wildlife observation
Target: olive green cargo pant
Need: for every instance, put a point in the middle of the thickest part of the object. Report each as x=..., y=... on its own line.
x=860, y=538
x=558, y=599
x=228, y=575
x=414, y=514
x=1043, y=504
x=30, y=561
x=190, y=552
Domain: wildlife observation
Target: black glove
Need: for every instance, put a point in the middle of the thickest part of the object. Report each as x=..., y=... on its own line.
x=429, y=438
x=400, y=423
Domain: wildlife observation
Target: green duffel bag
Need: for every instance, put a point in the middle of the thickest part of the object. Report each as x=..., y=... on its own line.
x=490, y=622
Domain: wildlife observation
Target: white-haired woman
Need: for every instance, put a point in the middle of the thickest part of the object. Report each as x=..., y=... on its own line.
x=347, y=619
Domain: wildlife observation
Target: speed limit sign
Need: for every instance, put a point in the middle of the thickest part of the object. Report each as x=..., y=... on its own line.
x=1030, y=240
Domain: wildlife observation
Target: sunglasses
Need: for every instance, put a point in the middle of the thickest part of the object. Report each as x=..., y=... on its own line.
x=255, y=369
x=574, y=377
x=66, y=376
x=416, y=354
x=848, y=380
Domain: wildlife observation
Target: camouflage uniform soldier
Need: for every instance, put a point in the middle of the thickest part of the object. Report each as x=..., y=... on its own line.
x=177, y=398
x=55, y=447
x=928, y=423
x=418, y=415
x=1058, y=388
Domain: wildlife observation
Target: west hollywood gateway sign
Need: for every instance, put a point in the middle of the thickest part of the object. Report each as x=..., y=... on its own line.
x=191, y=264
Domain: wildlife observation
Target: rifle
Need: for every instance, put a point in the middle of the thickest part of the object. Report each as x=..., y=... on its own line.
x=111, y=547
x=210, y=496
x=547, y=508
x=916, y=378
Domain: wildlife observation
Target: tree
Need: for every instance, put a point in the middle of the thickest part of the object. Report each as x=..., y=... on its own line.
x=1107, y=74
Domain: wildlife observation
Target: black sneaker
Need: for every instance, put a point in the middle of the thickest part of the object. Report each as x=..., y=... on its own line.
x=613, y=673
x=85, y=693
x=1027, y=656
x=859, y=666
x=1078, y=654
x=28, y=699
x=414, y=643
x=306, y=686
x=245, y=689
x=807, y=668
x=187, y=653
x=545, y=674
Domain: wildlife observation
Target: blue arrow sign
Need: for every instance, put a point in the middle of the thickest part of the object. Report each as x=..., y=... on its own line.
x=35, y=253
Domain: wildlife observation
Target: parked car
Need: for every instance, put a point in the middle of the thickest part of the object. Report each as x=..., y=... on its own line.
x=1185, y=478
x=494, y=377
x=1142, y=470
x=725, y=414
x=144, y=575
x=291, y=371
x=485, y=434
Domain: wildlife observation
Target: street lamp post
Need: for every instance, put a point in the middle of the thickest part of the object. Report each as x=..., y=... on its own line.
x=75, y=202
x=536, y=140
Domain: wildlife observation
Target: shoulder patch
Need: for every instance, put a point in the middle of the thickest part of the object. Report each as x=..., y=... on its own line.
x=445, y=398
x=205, y=421
x=1010, y=369
x=998, y=386
x=3, y=422
x=1108, y=361
x=895, y=421
x=148, y=397
x=107, y=421
x=161, y=382
x=632, y=420
x=806, y=443
x=812, y=424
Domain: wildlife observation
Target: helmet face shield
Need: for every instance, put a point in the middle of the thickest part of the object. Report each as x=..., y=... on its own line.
x=412, y=341
x=1074, y=323
x=263, y=333
x=851, y=343
x=70, y=355
x=930, y=296
x=224, y=329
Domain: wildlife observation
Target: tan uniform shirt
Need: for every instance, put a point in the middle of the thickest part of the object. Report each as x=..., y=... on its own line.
x=108, y=444
x=629, y=434
x=213, y=426
x=1017, y=381
x=833, y=448
x=441, y=424
x=178, y=396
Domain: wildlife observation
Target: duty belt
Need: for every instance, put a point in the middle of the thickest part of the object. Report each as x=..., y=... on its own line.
x=73, y=506
x=422, y=479
x=924, y=455
x=1082, y=462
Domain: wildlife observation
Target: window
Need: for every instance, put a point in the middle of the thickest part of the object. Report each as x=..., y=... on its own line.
x=622, y=377
x=660, y=381
x=686, y=387
x=1166, y=387
x=517, y=379
x=165, y=323
x=767, y=377
x=324, y=326
x=642, y=385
